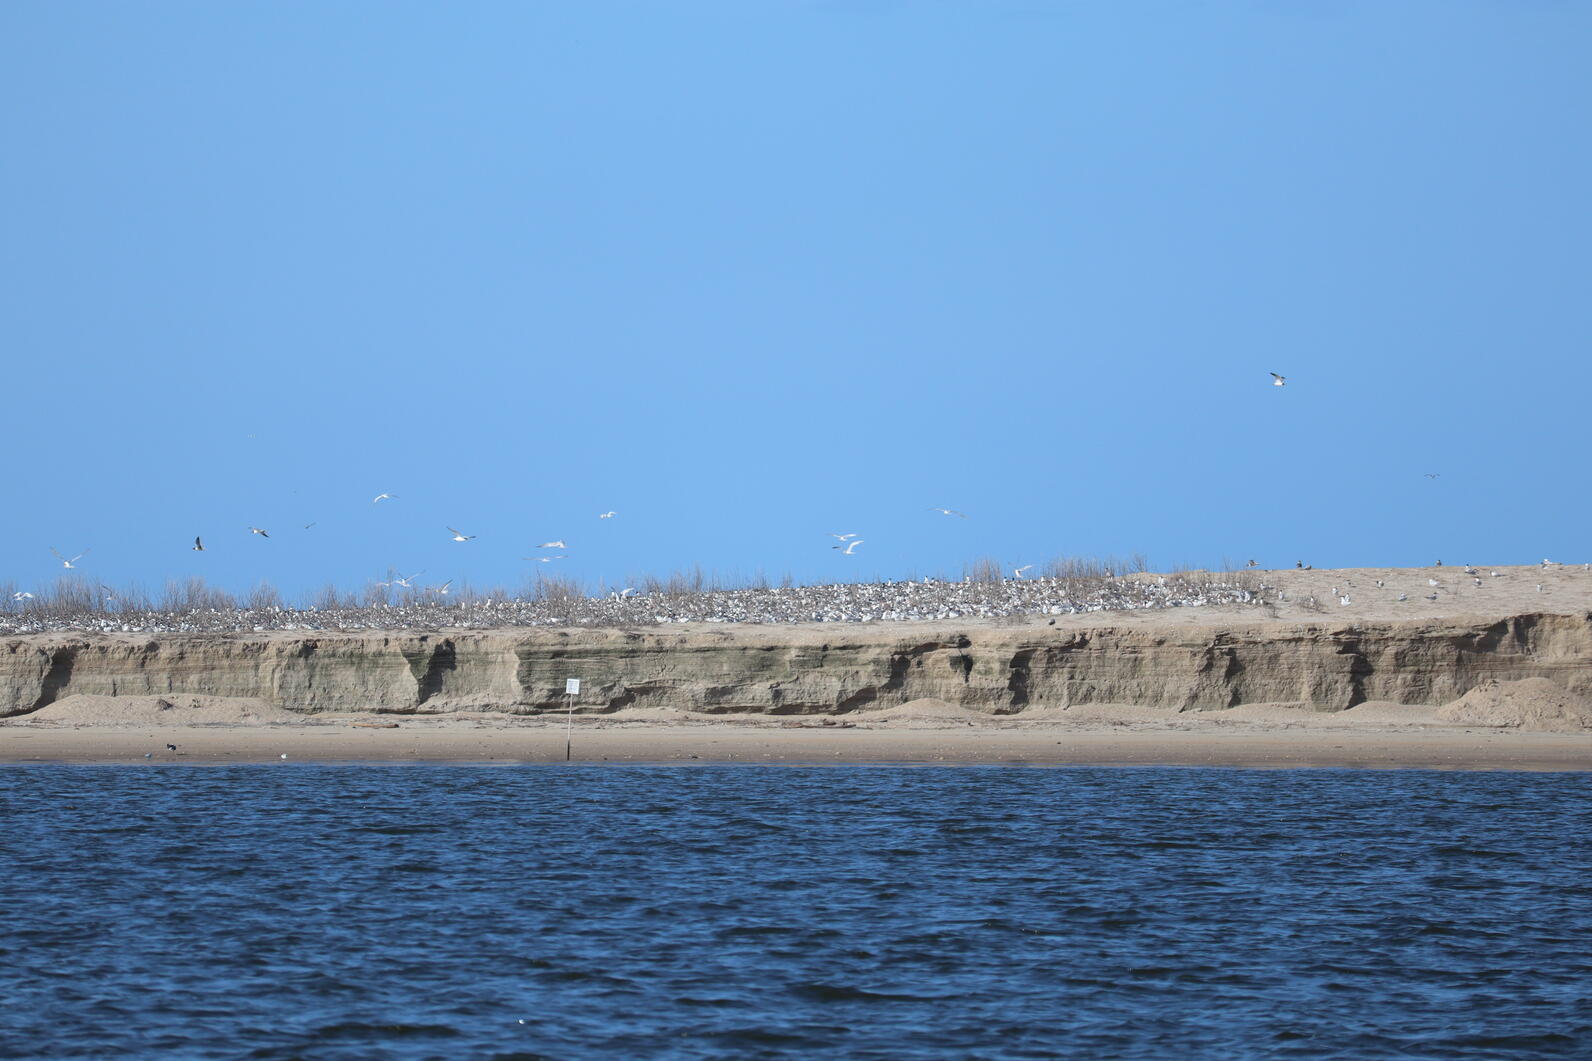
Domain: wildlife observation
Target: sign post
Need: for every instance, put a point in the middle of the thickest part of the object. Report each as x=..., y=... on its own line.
x=571, y=690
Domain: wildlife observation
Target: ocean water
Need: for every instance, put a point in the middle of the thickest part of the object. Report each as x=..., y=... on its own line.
x=322, y=911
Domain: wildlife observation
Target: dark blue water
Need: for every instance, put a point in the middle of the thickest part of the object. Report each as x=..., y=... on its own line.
x=413, y=911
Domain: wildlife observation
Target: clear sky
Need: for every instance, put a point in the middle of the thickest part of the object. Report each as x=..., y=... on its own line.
x=750, y=273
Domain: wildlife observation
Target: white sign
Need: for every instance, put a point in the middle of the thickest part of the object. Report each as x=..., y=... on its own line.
x=571, y=686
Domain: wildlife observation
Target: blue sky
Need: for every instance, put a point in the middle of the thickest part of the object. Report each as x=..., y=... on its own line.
x=748, y=273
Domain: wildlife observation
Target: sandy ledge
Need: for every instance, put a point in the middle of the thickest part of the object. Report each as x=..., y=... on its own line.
x=1490, y=676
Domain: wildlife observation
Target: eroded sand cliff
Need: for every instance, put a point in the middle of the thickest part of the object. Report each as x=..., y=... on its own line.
x=830, y=669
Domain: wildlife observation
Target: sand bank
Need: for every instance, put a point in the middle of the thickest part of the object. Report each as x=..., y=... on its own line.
x=1375, y=736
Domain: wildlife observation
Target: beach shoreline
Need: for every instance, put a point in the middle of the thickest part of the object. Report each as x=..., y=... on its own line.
x=1138, y=742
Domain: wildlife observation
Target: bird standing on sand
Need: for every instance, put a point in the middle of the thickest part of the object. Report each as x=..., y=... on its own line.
x=198, y=546
x=257, y=530
x=1278, y=381
x=68, y=563
x=848, y=547
x=1404, y=596
x=458, y=537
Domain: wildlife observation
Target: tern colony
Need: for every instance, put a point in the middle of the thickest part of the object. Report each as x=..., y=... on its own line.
x=841, y=602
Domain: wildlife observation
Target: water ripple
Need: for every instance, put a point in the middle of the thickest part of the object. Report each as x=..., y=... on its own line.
x=330, y=912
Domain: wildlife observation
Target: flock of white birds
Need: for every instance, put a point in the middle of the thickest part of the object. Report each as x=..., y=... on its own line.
x=849, y=543
x=427, y=605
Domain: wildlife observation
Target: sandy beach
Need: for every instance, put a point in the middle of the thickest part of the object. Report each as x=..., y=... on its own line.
x=1268, y=738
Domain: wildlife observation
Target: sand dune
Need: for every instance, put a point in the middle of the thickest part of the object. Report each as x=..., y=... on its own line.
x=1530, y=704
x=88, y=710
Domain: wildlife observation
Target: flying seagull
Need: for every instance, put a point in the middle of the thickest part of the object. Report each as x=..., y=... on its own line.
x=553, y=545
x=407, y=583
x=458, y=537
x=1018, y=572
x=547, y=559
x=382, y=497
x=948, y=512
x=1278, y=381
x=68, y=563
x=22, y=595
x=442, y=590
x=841, y=537
x=606, y=515
x=848, y=547
x=1433, y=475
x=257, y=530
x=198, y=546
